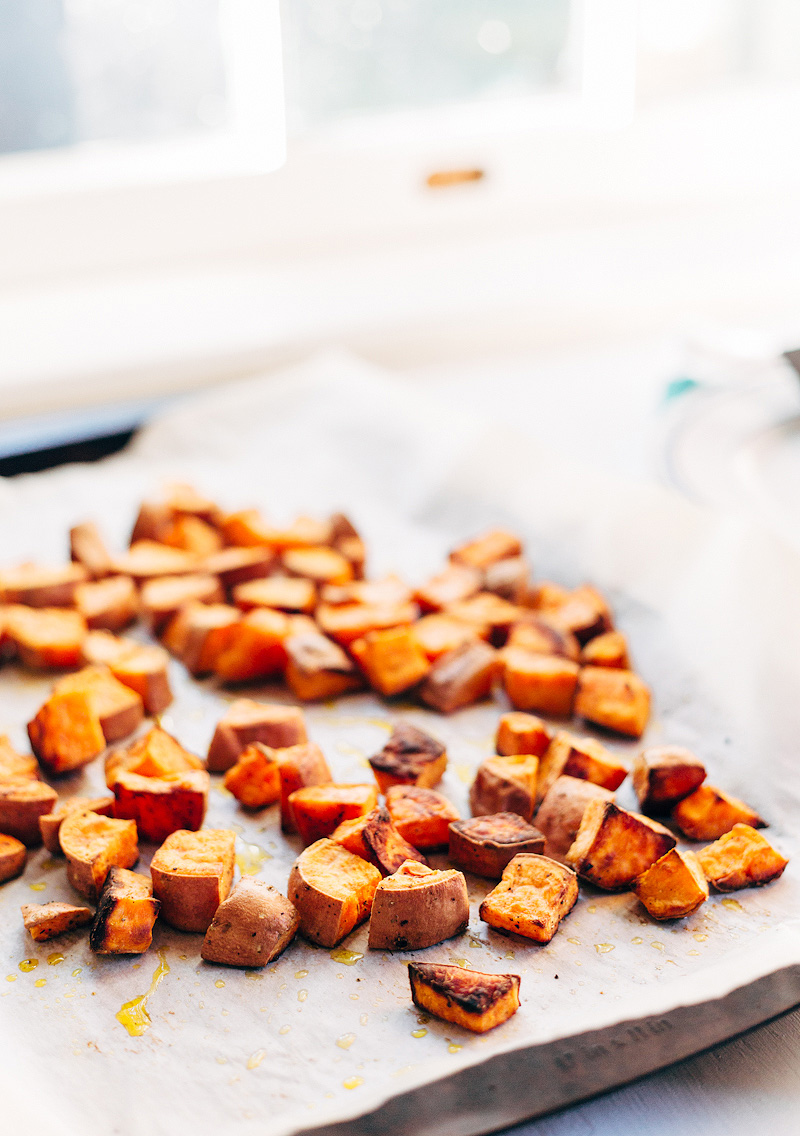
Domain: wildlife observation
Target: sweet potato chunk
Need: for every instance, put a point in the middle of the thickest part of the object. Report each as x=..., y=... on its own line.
x=235, y=565
x=109, y=604
x=438, y=634
x=392, y=660
x=101, y=648
x=88, y=549
x=417, y=907
x=41, y=587
x=673, y=887
x=615, y=699
x=255, y=779
x=664, y=775
x=547, y=597
x=256, y=648
x=614, y=846
x=467, y=998
x=163, y=597
x=192, y=874
x=460, y=677
x=410, y=757
x=155, y=754
x=522, y=733
x=66, y=732
x=321, y=565
x=45, y=921
x=537, y=634
x=47, y=638
x=251, y=927
x=299, y=766
x=13, y=855
x=93, y=845
x=421, y=816
x=126, y=913
x=13, y=764
x=161, y=805
x=708, y=813
x=607, y=650
x=319, y=809
x=583, y=758
x=147, y=559
x=544, y=683
x=386, y=592
x=584, y=613
x=457, y=582
x=373, y=837
x=50, y=823
x=485, y=845
x=199, y=634
x=509, y=579
x=192, y=534
x=560, y=814
x=344, y=537
x=318, y=668
x=533, y=896
x=246, y=721
x=346, y=623
x=332, y=890
x=487, y=549
x=146, y=671
x=22, y=802
x=741, y=858
x=505, y=784
x=285, y=593
x=490, y=615
x=119, y=708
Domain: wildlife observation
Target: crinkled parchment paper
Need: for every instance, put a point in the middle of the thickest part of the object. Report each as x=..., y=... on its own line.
x=712, y=609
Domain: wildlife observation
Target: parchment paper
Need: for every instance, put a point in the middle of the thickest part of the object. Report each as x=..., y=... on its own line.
x=712, y=610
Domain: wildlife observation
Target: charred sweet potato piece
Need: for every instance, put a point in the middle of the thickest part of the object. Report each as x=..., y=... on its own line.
x=322, y=565
x=284, y=593
x=126, y=913
x=490, y=615
x=319, y=809
x=235, y=565
x=392, y=660
x=45, y=921
x=332, y=890
x=13, y=855
x=50, y=823
x=318, y=668
x=615, y=699
x=544, y=683
x=505, y=784
x=192, y=534
x=457, y=582
x=246, y=721
x=66, y=732
x=147, y=559
x=487, y=549
x=251, y=927
x=410, y=757
x=146, y=671
x=93, y=845
x=256, y=647
x=537, y=634
x=192, y=874
x=13, y=764
x=417, y=907
x=664, y=775
x=109, y=604
x=673, y=887
x=741, y=858
x=345, y=538
x=119, y=708
x=255, y=779
x=22, y=802
x=584, y=613
x=522, y=733
x=614, y=846
x=467, y=998
x=349, y=622
x=373, y=837
x=583, y=758
x=155, y=754
x=161, y=805
x=460, y=677
x=437, y=634
x=533, y=896
x=560, y=814
x=299, y=767
x=162, y=598
x=708, y=813
x=421, y=816
x=34, y=586
x=199, y=633
x=485, y=845
x=88, y=549
x=607, y=650
x=47, y=638
x=509, y=579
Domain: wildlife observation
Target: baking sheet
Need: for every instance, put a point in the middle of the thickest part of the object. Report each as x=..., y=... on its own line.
x=712, y=611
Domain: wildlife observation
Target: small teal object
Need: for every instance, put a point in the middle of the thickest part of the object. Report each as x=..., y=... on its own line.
x=679, y=386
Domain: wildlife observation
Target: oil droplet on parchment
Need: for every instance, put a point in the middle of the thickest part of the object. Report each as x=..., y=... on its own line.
x=592, y=908
x=418, y=1032
x=284, y=1029
x=637, y=940
x=28, y=964
x=349, y=958
x=346, y=1040
x=40, y=982
x=11, y=978
x=454, y=1048
x=603, y=948
x=222, y=1061
x=302, y=995
x=700, y=938
x=465, y=773
x=732, y=904
x=575, y=942
x=77, y=971
x=300, y=973
x=509, y=955
x=364, y=1019
x=133, y=1015
x=219, y=983
x=353, y=1082
x=458, y=962
x=55, y=958
x=657, y=946
x=255, y=1059
x=40, y=885
x=250, y=859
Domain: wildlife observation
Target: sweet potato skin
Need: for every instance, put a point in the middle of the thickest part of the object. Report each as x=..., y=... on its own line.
x=583, y=758
x=145, y=670
x=477, y=1002
x=741, y=858
x=560, y=814
x=486, y=845
x=126, y=914
x=421, y=816
x=192, y=874
x=47, y=638
x=505, y=784
x=460, y=677
x=21, y=805
x=251, y=927
x=45, y=921
x=417, y=907
x=708, y=813
x=614, y=846
x=245, y=722
x=533, y=896
x=13, y=856
x=332, y=889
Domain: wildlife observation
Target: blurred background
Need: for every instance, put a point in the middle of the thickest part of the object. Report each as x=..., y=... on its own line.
x=581, y=214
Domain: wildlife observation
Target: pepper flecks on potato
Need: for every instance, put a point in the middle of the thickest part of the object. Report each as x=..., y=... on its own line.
x=533, y=896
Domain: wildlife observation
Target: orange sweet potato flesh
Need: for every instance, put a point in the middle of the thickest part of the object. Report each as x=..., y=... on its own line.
x=93, y=845
x=741, y=858
x=192, y=534
x=615, y=699
x=88, y=549
x=708, y=813
x=467, y=998
x=490, y=615
x=673, y=887
x=145, y=670
x=560, y=814
x=392, y=660
x=522, y=733
x=457, y=582
x=45, y=921
x=126, y=913
x=545, y=684
x=256, y=648
x=247, y=721
x=13, y=764
x=322, y=565
x=66, y=732
x=409, y=757
x=584, y=612
x=155, y=754
x=613, y=847
x=13, y=856
x=421, y=816
x=192, y=874
x=318, y=668
x=537, y=634
x=532, y=898
x=284, y=593
x=255, y=778
x=235, y=565
x=147, y=559
x=39, y=587
x=199, y=633
x=162, y=805
x=299, y=766
x=498, y=544
x=109, y=604
x=119, y=708
x=607, y=650
x=319, y=809
x=47, y=638
x=373, y=837
x=50, y=823
x=584, y=758
x=437, y=634
x=346, y=623
x=332, y=890
x=163, y=597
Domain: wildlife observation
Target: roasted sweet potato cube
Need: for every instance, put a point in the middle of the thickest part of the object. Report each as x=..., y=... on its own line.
x=457, y=582
x=417, y=907
x=101, y=648
x=332, y=890
x=322, y=565
x=741, y=858
x=147, y=559
x=45, y=921
x=192, y=874
x=299, y=766
x=410, y=757
x=152, y=521
x=14, y=764
x=485, y=845
x=179, y=502
x=490, y=615
x=34, y=586
x=126, y=913
x=505, y=784
x=349, y=622
x=467, y=998
x=585, y=613
x=537, y=634
x=708, y=813
x=584, y=758
x=673, y=887
x=421, y=816
x=664, y=775
x=93, y=845
x=256, y=648
x=544, y=683
x=22, y=802
x=245, y=722
x=319, y=809
x=385, y=592
x=345, y=538
x=615, y=699
x=162, y=598
x=460, y=677
x=318, y=668
x=235, y=565
x=438, y=634
x=255, y=779
x=161, y=805
x=192, y=534
x=284, y=593
x=199, y=633
x=487, y=549
x=109, y=604
x=613, y=847
x=47, y=638
x=88, y=549
x=183, y=499
x=66, y=732
x=373, y=837
x=119, y=708
x=522, y=733
x=248, y=528
x=145, y=670
x=251, y=927
x=155, y=754
x=509, y=579
x=533, y=896
x=560, y=814
x=607, y=650
x=392, y=660
x=50, y=823
x=548, y=597
x=13, y=855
